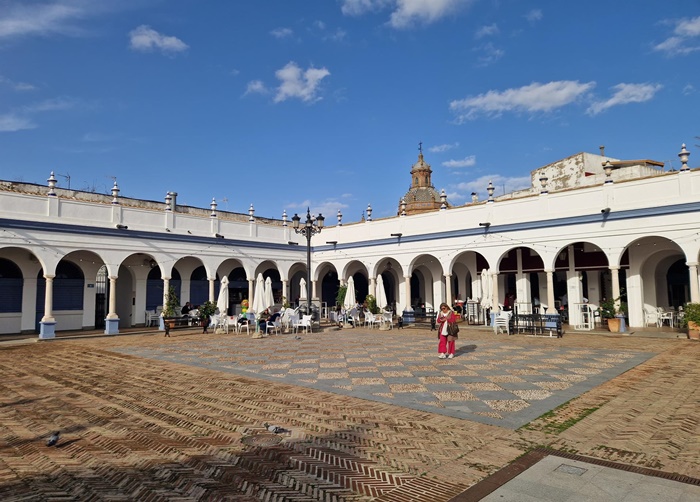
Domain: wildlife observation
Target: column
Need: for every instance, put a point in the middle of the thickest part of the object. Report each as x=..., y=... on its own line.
x=285, y=292
x=407, y=289
x=694, y=287
x=251, y=282
x=313, y=289
x=373, y=286
x=615, y=275
x=166, y=289
x=550, y=292
x=448, y=289
x=48, y=323
x=112, y=320
x=212, y=294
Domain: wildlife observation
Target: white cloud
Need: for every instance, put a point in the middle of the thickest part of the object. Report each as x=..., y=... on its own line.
x=298, y=83
x=358, y=7
x=11, y=123
x=533, y=98
x=405, y=13
x=488, y=53
x=626, y=93
x=51, y=105
x=256, y=87
x=688, y=89
x=17, y=86
x=39, y=19
x=682, y=41
x=487, y=31
x=442, y=148
x=146, y=39
x=409, y=12
x=282, y=32
x=465, y=162
x=533, y=16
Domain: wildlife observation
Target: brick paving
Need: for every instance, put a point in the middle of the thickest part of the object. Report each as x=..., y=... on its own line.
x=148, y=418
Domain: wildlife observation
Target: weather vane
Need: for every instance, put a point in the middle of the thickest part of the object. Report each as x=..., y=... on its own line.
x=420, y=146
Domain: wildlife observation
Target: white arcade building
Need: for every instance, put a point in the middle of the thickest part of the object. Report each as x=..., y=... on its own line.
x=590, y=227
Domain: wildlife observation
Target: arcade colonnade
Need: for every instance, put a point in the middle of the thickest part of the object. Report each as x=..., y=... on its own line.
x=67, y=262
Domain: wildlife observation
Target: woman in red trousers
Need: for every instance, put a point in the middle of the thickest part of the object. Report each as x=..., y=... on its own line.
x=446, y=344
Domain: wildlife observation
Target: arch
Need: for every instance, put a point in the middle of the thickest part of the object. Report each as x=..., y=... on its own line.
x=426, y=281
x=68, y=295
x=11, y=287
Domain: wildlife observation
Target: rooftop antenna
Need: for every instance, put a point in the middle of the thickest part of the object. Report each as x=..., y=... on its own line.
x=66, y=176
x=225, y=201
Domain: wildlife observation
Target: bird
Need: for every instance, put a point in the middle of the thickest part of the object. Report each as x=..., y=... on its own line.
x=53, y=439
x=297, y=337
x=276, y=429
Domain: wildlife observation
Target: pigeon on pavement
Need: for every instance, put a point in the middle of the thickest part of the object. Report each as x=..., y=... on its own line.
x=53, y=439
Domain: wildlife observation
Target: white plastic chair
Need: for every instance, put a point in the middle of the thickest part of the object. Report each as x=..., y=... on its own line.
x=651, y=316
x=664, y=315
x=502, y=322
x=305, y=323
x=273, y=327
x=369, y=318
x=387, y=319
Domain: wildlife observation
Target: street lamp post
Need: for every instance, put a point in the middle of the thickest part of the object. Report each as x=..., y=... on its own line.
x=311, y=227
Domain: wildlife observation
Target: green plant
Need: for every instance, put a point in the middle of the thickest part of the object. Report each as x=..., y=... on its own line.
x=285, y=302
x=612, y=307
x=691, y=312
x=207, y=309
x=340, y=297
x=171, y=303
x=371, y=304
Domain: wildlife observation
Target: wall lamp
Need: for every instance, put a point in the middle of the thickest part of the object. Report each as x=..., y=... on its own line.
x=485, y=224
x=605, y=210
x=396, y=235
x=121, y=227
x=218, y=236
x=332, y=242
x=292, y=243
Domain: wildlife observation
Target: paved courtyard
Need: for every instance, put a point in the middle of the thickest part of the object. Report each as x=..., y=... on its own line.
x=368, y=415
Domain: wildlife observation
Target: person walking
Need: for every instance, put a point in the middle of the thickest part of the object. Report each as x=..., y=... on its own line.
x=446, y=342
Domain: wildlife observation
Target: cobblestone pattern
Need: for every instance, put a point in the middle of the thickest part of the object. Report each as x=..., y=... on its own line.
x=135, y=428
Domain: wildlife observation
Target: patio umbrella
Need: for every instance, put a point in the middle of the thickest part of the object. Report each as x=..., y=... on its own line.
x=269, y=297
x=381, y=293
x=259, y=295
x=486, y=291
x=222, y=300
x=350, y=301
x=302, y=289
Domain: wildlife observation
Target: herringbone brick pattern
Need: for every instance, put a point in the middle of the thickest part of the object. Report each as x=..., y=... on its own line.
x=144, y=429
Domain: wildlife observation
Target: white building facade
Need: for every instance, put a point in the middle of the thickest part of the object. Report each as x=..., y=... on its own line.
x=72, y=260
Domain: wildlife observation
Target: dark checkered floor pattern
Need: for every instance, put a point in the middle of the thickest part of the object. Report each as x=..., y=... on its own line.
x=493, y=382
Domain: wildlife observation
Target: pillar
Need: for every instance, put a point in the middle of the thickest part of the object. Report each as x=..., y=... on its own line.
x=251, y=283
x=112, y=320
x=615, y=275
x=212, y=294
x=494, y=287
x=448, y=289
x=285, y=292
x=373, y=286
x=166, y=289
x=48, y=323
x=550, y=292
x=694, y=287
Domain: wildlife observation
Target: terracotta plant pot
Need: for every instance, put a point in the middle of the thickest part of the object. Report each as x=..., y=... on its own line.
x=614, y=325
x=693, y=330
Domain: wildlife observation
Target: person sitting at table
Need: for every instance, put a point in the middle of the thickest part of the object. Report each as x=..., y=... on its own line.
x=186, y=309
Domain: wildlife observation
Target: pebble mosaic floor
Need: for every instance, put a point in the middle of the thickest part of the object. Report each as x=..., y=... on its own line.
x=494, y=382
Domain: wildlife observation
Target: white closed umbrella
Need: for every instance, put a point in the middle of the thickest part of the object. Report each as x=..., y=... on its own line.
x=222, y=300
x=269, y=297
x=259, y=296
x=350, y=301
x=302, y=289
x=485, y=292
x=381, y=293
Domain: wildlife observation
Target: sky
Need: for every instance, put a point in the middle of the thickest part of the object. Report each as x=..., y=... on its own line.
x=289, y=104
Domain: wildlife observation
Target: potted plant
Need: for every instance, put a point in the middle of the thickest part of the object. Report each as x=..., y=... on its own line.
x=613, y=311
x=171, y=303
x=206, y=310
x=691, y=320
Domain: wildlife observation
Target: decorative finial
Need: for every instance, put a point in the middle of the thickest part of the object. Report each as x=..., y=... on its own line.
x=369, y=212
x=284, y=218
x=683, y=155
x=543, y=182
x=443, y=200
x=340, y=218
x=115, y=193
x=490, y=189
x=168, y=201
x=420, y=147
x=251, y=213
x=52, y=185
x=213, y=207
x=403, y=207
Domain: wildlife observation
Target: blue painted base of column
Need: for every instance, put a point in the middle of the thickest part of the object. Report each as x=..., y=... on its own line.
x=161, y=324
x=111, y=326
x=47, y=330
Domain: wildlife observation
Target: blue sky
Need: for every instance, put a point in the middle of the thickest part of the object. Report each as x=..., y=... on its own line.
x=289, y=103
